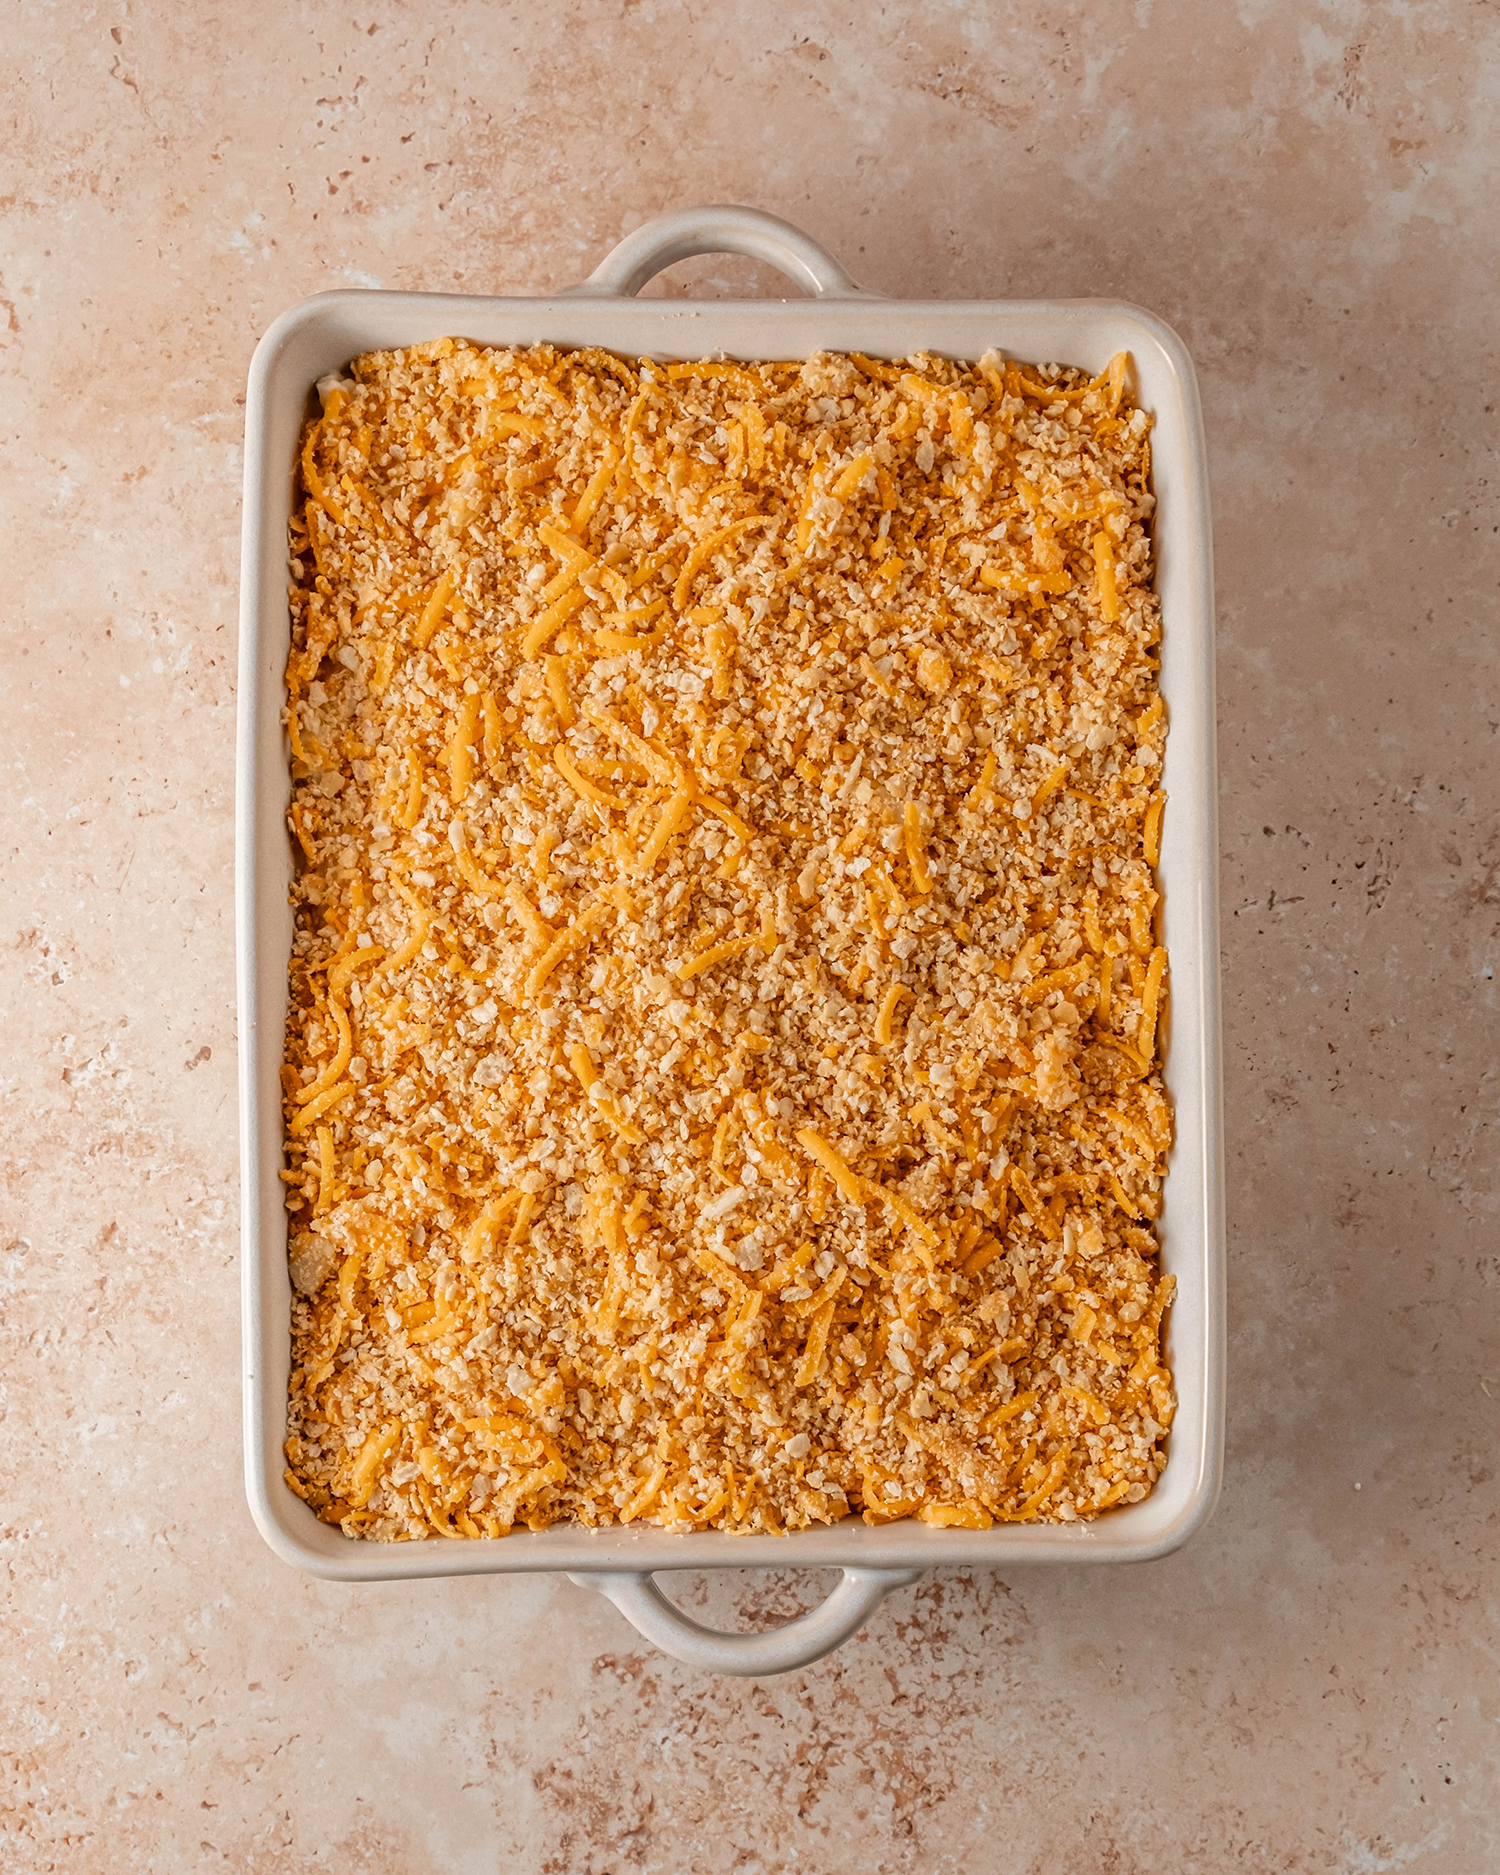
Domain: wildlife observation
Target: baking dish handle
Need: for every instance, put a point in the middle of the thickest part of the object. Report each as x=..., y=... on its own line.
x=717, y=229
x=779, y=1650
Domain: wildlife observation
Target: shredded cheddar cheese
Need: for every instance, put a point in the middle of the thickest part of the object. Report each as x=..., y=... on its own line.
x=721, y=1081
x=883, y=1030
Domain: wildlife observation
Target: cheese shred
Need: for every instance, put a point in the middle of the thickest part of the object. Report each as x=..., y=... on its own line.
x=722, y=1082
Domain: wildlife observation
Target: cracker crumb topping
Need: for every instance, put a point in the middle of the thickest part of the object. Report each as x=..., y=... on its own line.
x=721, y=1074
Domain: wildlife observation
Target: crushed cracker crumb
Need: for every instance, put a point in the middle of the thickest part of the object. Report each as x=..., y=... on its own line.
x=721, y=1065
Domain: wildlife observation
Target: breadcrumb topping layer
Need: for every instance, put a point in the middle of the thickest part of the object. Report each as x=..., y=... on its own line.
x=721, y=1074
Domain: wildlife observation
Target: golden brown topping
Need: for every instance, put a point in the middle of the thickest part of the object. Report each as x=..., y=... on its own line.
x=720, y=1068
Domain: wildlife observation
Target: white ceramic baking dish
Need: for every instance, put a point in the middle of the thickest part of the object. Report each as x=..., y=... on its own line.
x=321, y=335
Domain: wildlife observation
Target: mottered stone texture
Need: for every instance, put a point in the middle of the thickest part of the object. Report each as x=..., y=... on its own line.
x=1306, y=191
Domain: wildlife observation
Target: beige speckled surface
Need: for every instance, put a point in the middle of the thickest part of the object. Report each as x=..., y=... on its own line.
x=1307, y=191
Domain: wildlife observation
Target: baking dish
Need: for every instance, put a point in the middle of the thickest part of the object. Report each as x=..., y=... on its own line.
x=321, y=335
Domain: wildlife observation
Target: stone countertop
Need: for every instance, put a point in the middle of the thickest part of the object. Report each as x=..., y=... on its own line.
x=1307, y=193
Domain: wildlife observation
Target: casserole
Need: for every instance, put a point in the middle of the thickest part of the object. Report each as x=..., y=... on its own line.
x=320, y=336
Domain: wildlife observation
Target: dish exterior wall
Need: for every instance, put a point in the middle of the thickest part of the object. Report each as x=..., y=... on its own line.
x=322, y=335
